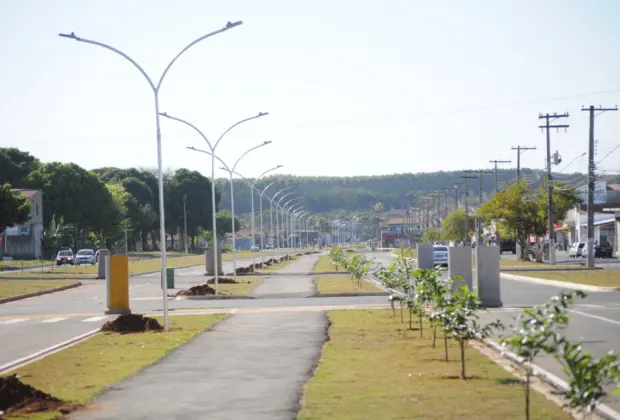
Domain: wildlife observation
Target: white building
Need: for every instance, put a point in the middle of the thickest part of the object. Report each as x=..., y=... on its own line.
x=26, y=240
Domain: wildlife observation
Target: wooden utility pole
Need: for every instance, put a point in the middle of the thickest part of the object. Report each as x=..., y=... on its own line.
x=495, y=162
x=479, y=174
x=519, y=150
x=591, y=180
x=548, y=119
x=465, y=178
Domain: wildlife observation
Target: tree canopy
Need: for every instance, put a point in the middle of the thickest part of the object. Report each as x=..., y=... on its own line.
x=14, y=208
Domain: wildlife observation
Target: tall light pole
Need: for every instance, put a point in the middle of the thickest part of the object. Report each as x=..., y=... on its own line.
x=289, y=221
x=185, y=222
x=213, y=157
x=232, y=197
x=277, y=212
x=270, y=210
x=280, y=210
x=286, y=219
x=156, y=88
x=299, y=209
x=285, y=215
x=260, y=206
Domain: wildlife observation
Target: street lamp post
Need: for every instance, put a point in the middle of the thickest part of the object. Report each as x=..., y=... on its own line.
x=285, y=216
x=262, y=193
x=232, y=197
x=277, y=217
x=213, y=157
x=299, y=209
x=288, y=213
x=260, y=204
x=156, y=88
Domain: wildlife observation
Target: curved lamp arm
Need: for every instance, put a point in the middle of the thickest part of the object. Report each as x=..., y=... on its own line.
x=260, y=114
x=248, y=151
x=163, y=114
x=266, y=172
x=283, y=197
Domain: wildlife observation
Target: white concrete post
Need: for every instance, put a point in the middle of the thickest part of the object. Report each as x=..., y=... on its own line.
x=487, y=279
x=425, y=256
x=459, y=264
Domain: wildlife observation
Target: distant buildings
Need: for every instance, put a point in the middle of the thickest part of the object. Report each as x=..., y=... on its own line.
x=25, y=241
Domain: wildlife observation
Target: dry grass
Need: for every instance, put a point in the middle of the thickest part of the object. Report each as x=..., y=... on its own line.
x=325, y=264
x=343, y=284
x=276, y=267
x=373, y=367
x=10, y=288
x=83, y=371
x=243, y=288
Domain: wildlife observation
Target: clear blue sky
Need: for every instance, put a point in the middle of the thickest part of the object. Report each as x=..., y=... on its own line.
x=353, y=87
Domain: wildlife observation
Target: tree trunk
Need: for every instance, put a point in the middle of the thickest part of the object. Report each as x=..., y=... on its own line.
x=462, y=344
x=445, y=345
x=527, y=395
x=434, y=334
x=401, y=314
x=410, y=326
x=421, y=331
x=144, y=238
x=154, y=240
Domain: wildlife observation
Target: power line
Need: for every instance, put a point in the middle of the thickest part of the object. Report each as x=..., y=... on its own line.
x=495, y=162
x=520, y=149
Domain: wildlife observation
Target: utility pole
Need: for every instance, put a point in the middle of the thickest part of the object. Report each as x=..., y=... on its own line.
x=479, y=173
x=496, y=162
x=465, y=178
x=185, y=222
x=519, y=150
x=548, y=119
x=591, y=180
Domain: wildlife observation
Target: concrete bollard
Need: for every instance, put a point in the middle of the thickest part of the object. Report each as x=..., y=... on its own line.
x=209, y=266
x=487, y=279
x=425, y=256
x=117, y=270
x=101, y=264
x=459, y=264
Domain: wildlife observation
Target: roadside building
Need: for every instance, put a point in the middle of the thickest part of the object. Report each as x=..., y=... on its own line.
x=25, y=240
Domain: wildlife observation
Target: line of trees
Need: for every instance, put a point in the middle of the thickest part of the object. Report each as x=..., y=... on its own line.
x=96, y=208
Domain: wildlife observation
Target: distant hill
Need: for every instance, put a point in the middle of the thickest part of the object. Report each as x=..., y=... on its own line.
x=328, y=194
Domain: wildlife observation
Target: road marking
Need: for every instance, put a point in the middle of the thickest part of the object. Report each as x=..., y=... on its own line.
x=94, y=319
x=601, y=318
x=13, y=321
x=589, y=305
x=53, y=320
x=147, y=298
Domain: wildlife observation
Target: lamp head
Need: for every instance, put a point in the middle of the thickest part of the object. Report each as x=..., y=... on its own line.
x=71, y=35
x=262, y=114
x=266, y=142
x=230, y=25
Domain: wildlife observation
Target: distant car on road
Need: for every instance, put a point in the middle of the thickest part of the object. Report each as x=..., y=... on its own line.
x=98, y=253
x=576, y=250
x=440, y=255
x=255, y=248
x=604, y=251
x=508, y=245
x=85, y=256
x=65, y=257
x=268, y=246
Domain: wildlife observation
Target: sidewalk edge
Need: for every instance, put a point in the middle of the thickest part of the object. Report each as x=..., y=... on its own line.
x=40, y=293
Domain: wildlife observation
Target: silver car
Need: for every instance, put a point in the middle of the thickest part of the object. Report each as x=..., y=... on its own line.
x=85, y=256
x=440, y=255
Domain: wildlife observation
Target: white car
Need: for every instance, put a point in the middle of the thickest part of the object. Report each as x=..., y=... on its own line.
x=440, y=255
x=577, y=250
x=85, y=256
x=255, y=248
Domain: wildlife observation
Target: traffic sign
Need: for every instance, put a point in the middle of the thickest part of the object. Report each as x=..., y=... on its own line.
x=471, y=234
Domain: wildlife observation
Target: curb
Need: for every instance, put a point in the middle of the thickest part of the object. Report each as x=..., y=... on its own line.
x=602, y=410
x=212, y=297
x=558, y=283
x=40, y=293
x=64, y=344
x=327, y=295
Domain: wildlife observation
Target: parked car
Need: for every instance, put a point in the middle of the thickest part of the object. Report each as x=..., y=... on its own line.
x=268, y=246
x=576, y=250
x=440, y=255
x=508, y=245
x=65, y=257
x=85, y=256
x=604, y=251
x=98, y=253
x=255, y=248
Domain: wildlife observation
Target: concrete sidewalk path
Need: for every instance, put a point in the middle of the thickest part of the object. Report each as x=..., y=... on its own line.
x=250, y=366
x=282, y=286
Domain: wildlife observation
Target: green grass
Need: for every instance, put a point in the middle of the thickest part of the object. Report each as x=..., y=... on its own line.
x=373, y=367
x=243, y=288
x=278, y=266
x=19, y=264
x=81, y=372
x=609, y=278
x=343, y=284
x=10, y=288
x=325, y=264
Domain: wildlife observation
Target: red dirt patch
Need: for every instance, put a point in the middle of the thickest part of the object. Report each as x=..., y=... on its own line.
x=200, y=290
x=18, y=398
x=222, y=280
x=132, y=323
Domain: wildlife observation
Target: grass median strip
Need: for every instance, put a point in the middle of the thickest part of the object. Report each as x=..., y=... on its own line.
x=11, y=288
x=608, y=278
x=324, y=264
x=79, y=373
x=342, y=284
x=373, y=367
